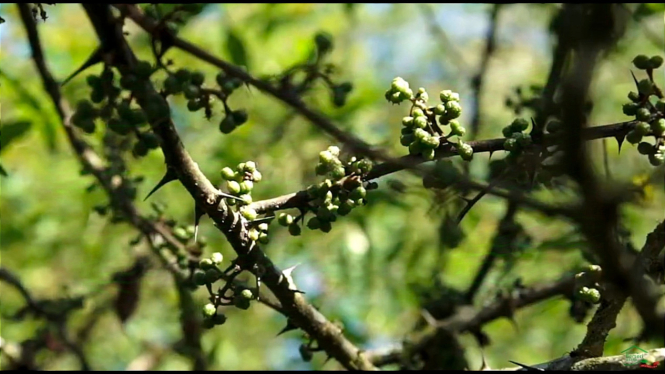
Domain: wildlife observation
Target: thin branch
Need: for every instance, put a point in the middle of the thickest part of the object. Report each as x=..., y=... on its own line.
x=608, y=363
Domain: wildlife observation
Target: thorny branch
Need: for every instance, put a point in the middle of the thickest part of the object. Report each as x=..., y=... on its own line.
x=232, y=224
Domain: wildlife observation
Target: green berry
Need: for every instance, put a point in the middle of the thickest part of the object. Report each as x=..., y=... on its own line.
x=401, y=86
x=263, y=238
x=247, y=294
x=239, y=116
x=657, y=159
x=246, y=199
x=660, y=105
x=643, y=114
x=209, y=310
x=212, y=275
x=314, y=223
x=429, y=154
x=194, y=104
x=655, y=62
x=197, y=78
x=94, y=81
x=405, y=140
x=358, y=193
x=338, y=173
x=519, y=124
x=97, y=96
x=440, y=110
x=227, y=125
x=453, y=109
x=206, y=264
x=257, y=176
x=448, y=95
x=217, y=258
x=246, y=186
x=233, y=187
x=420, y=122
x=645, y=87
x=456, y=129
x=263, y=227
x=285, y=219
x=326, y=158
x=465, y=151
x=294, y=229
x=241, y=303
x=140, y=149
x=191, y=91
x=151, y=140
x=630, y=109
x=228, y=174
x=119, y=127
x=641, y=62
x=421, y=134
x=365, y=166
x=199, y=278
x=183, y=75
x=249, y=213
x=172, y=85
x=507, y=131
x=658, y=127
x=415, y=148
x=219, y=319
x=432, y=142
x=633, y=96
x=143, y=69
x=417, y=112
x=642, y=128
x=321, y=169
x=323, y=41
x=253, y=235
x=634, y=137
x=645, y=148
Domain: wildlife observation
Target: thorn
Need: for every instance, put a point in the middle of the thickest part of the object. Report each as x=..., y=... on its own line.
x=224, y=194
x=635, y=79
x=620, y=139
x=491, y=153
x=527, y=367
x=94, y=59
x=198, y=213
x=289, y=327
x=168, y=177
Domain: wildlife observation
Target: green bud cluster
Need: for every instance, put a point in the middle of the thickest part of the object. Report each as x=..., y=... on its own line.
x=208, y=271
x=650, y=119
x=517, y=140
x=399, y=91
x=590, y=295
x=211, y=317
x=259, y=233
x=417, y=136
x=587, y=284
x=241, y=300
x=240, y=182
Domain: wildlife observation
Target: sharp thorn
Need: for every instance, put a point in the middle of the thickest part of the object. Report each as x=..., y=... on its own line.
x=94, y=59
x=168, y=177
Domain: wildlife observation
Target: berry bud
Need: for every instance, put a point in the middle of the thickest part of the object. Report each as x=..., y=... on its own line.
x=658, y=127
x=641, y=62
x=199, y=278
x=448, y=95
x=655, y=62
x=209, y=310
x=643, y=114
x=630, y=109
x=634, y=137
x=465, y=151
x=246, y=186
x=228, y=174
x=233, y=187
x=456, y=129
x=660, y=105
x=642, y=128
x=217, y=258
x=634, y=96
x=285, y=219
x=247, y=294
x=519, y=124
x=263, y=238
x=420, y=122
x=453, y=110
x=197, y=78
x=401, y=86
x=249, y=213
x=294, y=229
x=253, y=235
x=246, y=199
x=314, y=223
x=206, y=264
x=645, y=87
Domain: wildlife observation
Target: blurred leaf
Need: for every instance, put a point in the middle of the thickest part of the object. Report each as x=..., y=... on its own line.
x=129, y=287
x=648, y=9
x=13, y=131
x=450, y=233
x=2, y=171
x=236, y=49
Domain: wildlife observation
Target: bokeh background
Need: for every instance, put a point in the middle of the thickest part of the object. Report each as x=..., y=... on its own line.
x=366, y=270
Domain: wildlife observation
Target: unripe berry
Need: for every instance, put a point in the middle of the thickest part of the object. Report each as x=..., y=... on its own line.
x=183, y=75
x=257, y=176
x=507, y=131
x=228, y=174
x=453, y=109
x=338, y=173
x=326, y=158
x=645, y=148
x=263, y=238
x=642, y=128
x=246, y=186
x=285, y=219
x=217, y=258
x=249, y=213
x=657, y=159
x=456, y=129
x=634, y=137
x=415, y=147
x=655, y=62
x=191, y=91
x=660, y=105
x=429, y=154
x=143, y=69
x=645, y=87
x=209, y=310
x=294, y=229
x=246, y=199
x=519, y=124
x=417, y=112
x=633, y=96
x=212, y=275
x=658, y=127
x=325, y=226
x=643, y=114
x=239, y=116
x=247, y=294
x=440, y=110
x=197, y=78
x=630, y=109
x=219, y=319
x=253, y=234
x=233, y=187
x=465, y=151
x=641, y=62
x=314, y=223
x=420, y=122
x=420, y=134
x=199, y=278
x=400, y=85
x=206, y=264
x=448, y=95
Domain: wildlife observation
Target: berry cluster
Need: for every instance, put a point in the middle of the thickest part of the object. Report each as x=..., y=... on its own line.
x=239, y=183
x=516, y=139
x=590, y=277
x=339, y=194
x=209, y=273
x=421, y=132
x=650, y=116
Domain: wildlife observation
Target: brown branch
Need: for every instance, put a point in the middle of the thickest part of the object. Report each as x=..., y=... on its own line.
x=607, y=363
x=468, y=318
x=231, y=223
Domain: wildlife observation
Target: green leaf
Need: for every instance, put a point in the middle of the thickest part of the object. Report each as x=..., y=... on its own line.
x=236, y=49
x=13, y=131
